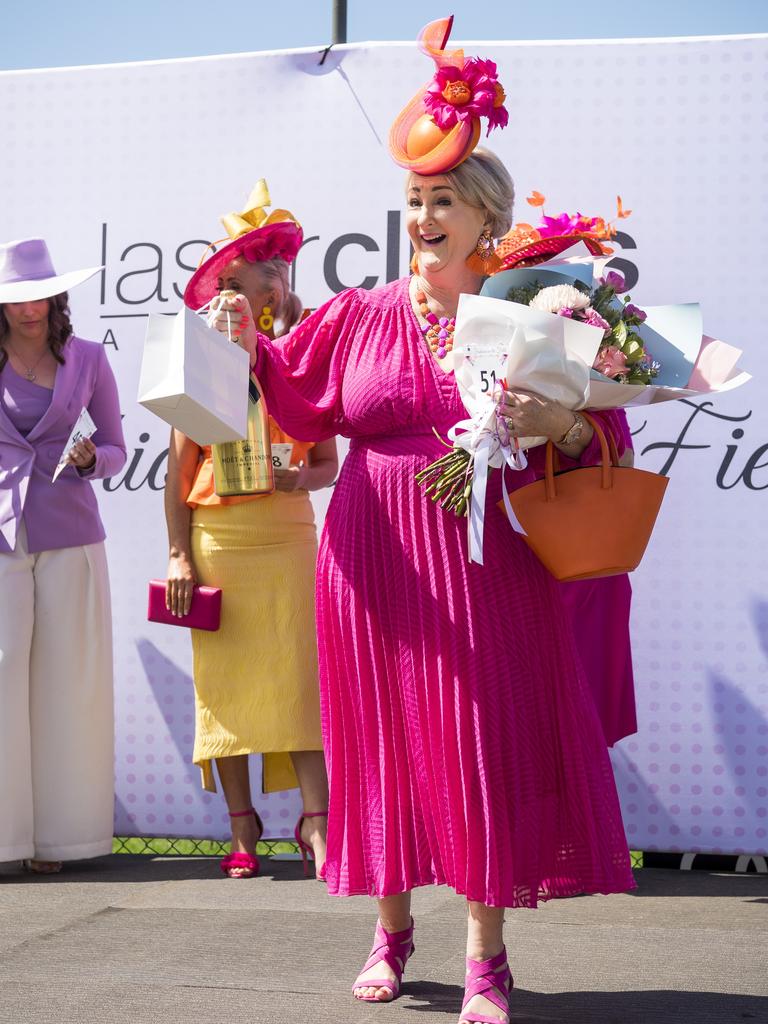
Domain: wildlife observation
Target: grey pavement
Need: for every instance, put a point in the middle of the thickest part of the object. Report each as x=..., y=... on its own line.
x=139, y=939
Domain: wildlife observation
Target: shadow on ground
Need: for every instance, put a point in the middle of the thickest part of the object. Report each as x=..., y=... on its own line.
x=126, y=867
x=670, y=884
x=662, y=1006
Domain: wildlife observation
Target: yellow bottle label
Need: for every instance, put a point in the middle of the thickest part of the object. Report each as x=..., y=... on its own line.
x=245, y=467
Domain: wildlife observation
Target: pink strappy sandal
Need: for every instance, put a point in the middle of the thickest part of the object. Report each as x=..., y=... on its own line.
x=246, y=864
x=392, y=949
x=492, y=979
x=305, y=849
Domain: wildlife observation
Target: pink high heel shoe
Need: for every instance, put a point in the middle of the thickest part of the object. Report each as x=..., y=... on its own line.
x=489, y=978
x=392, y=949
x=246, y=864
x=305, y=849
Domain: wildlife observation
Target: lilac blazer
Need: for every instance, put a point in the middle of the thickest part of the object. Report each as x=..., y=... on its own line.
x=64, y=514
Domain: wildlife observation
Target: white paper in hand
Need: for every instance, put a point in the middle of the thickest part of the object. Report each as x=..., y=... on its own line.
x=281, y=455
x=85, y=427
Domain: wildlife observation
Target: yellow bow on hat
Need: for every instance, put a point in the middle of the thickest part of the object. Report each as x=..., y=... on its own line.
x=254, y=214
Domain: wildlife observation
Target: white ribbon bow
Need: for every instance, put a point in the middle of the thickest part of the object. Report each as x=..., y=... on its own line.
x=479, y=436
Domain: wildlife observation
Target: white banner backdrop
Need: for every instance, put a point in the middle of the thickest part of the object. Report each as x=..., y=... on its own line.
x=130, y=165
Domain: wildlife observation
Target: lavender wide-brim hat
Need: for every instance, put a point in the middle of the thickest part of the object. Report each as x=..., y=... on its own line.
x=27, y=274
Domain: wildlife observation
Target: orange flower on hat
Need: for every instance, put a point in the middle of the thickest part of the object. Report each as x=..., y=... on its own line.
x=457, y=93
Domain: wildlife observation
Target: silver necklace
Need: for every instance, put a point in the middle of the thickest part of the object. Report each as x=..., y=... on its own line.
x=29, y=371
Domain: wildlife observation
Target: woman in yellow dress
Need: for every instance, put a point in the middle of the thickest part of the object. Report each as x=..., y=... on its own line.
x=256, y=678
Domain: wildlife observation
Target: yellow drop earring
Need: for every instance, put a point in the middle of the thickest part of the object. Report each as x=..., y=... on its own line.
x=266, y=320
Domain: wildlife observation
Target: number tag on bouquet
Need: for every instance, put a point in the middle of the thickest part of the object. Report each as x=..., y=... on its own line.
x=488, y=365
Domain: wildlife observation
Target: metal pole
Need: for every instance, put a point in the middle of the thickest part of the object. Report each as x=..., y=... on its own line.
x=339, y=21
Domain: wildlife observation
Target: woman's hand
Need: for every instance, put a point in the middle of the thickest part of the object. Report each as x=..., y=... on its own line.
x=234, y=318
x=82, y=455
x=291, y=479
x=530, y=415
x=178, y=588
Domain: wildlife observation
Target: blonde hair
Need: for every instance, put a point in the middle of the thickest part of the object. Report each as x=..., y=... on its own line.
x=288, y=306
x=483, y=181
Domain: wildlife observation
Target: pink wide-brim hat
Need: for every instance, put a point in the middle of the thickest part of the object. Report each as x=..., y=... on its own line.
x=27, y=274
x=279, y=240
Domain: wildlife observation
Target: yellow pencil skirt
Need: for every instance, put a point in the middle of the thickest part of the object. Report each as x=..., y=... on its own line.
x=256, y=689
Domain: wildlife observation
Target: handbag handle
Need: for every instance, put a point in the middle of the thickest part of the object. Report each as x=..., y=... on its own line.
x=609, y=456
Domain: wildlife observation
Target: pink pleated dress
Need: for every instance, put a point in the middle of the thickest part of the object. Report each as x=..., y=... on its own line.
x=463, y=747
x=599, y=611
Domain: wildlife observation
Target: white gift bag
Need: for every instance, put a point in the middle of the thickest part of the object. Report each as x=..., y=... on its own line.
x=194, y=378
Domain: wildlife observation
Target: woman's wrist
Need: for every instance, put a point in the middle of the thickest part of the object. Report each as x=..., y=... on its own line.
x=573, y=430
x=576, y=439
x=318, y=476
x=562, y=421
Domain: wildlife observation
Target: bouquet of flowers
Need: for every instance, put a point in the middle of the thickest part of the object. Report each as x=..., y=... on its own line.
x=623, y=356
x=565, y=330
x=498, y=345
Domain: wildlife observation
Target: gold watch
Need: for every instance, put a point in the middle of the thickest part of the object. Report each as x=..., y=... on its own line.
x=574, y=432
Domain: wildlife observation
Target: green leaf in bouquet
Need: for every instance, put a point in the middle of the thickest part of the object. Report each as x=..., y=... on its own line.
x=619, y=332
x=638, y=375
x=633, y=349
x=610, y=314
x=525, y=293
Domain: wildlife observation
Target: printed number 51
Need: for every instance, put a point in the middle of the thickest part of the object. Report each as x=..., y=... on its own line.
x=488, y=380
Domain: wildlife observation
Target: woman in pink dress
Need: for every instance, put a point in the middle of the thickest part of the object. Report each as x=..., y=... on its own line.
x=462, y=745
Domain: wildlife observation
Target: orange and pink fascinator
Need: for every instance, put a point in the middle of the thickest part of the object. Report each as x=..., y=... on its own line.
x=441, y=125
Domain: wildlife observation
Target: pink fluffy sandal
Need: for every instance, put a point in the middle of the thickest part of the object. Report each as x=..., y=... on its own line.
x=245, y=864
x=491, y=979
x=392, y=949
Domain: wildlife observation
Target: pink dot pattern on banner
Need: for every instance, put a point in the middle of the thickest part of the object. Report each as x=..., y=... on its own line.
x=167, y=685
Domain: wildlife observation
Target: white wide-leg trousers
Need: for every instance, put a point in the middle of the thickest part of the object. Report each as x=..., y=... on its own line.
x=56, y=704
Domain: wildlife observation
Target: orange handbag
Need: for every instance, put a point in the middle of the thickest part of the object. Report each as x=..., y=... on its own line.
x=589, y=521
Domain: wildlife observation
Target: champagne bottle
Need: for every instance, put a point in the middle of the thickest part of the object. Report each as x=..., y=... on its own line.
x=245, y=467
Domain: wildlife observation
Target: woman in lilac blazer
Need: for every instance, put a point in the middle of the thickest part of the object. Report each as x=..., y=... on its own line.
x=56, y=717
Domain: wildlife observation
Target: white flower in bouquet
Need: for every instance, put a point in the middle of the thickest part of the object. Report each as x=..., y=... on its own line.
x=559, y=296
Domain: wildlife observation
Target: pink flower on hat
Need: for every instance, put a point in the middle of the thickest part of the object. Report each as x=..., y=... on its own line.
x=460, y=94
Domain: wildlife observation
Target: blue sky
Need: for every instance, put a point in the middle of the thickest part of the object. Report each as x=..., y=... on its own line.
x=52, y=33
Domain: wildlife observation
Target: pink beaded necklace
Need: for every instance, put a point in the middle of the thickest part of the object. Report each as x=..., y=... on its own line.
x=438, y=331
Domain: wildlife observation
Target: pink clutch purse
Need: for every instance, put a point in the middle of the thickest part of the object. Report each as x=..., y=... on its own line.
x=205, y=612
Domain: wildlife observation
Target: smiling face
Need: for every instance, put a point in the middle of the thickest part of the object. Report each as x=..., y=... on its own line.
x=442, y=227
x=28, y=321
